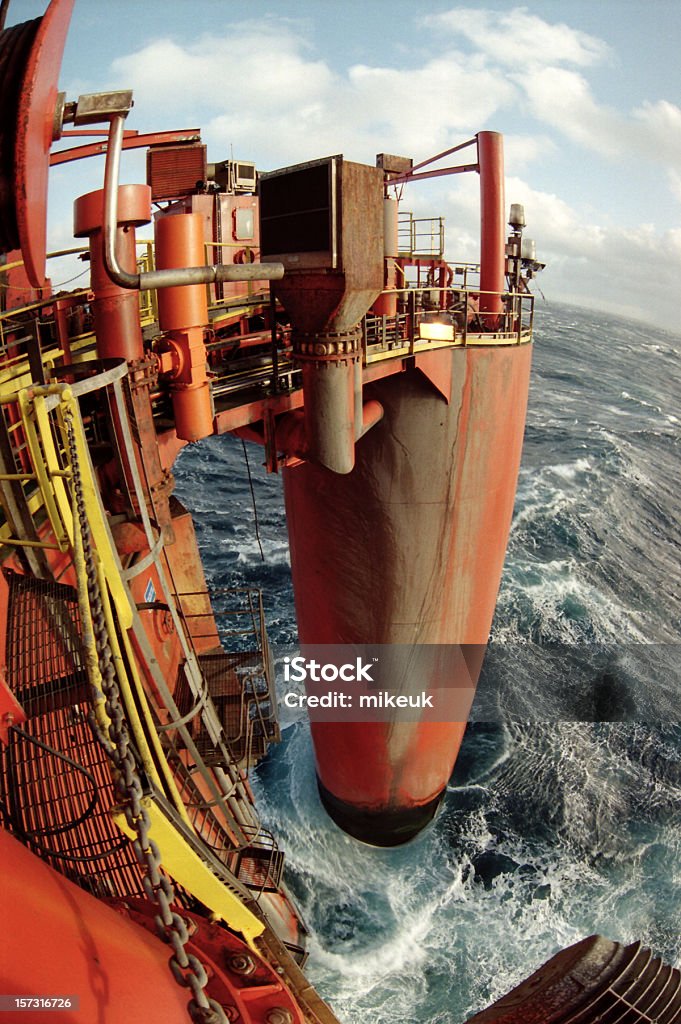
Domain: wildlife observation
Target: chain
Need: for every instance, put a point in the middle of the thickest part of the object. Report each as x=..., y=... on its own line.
x=186, y=968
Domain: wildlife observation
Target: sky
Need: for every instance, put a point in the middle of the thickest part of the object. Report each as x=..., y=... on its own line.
x=586, y=94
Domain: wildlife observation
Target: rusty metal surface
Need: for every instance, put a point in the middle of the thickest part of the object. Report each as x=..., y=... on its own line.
x=35, y=135
x=409, y=548
x=336, y=300
x=596, y=981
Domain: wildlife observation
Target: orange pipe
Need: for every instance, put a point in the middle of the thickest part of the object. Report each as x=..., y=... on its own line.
x=492, y=223
x=183, y=315
x=116, y=310
x=58, y=940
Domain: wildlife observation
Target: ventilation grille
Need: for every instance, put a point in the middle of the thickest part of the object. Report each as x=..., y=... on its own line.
x=173, y=171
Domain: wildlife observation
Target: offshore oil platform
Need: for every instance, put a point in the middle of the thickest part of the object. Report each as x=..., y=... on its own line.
x=303, y=310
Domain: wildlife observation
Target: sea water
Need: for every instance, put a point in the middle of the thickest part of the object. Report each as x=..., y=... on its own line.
x=555, y=825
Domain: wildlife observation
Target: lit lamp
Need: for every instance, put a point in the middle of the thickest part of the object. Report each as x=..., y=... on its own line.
x=437, y=326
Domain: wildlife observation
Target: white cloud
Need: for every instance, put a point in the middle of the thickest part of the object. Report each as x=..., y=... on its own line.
x=563, y=99
x=430, y=104
x=674, y=178
x=657, y=128
x=627, y=270
x=263, y=90
x=519, y=39
x=243, y=67
x=521, y=150
x=260, y=84
x=630, y=270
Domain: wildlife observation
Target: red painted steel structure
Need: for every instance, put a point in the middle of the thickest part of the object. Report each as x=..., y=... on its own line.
x=408, y=548
x=492, y=225
x=36, y=130
x=116, y=309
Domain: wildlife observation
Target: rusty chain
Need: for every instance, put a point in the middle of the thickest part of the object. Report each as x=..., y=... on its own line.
x=186, y=968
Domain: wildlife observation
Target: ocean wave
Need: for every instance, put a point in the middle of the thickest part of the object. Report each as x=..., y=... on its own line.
x=548, y=832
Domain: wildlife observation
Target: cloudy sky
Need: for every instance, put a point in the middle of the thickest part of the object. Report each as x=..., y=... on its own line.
x=587, y=95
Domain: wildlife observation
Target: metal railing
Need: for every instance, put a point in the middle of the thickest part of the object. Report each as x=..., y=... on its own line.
x=240, y=675
x=456, y=311
x=420, y=236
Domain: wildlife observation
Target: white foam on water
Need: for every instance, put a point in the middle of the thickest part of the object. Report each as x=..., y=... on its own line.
x=569, y=471
x=276, y=551
x=639, y=401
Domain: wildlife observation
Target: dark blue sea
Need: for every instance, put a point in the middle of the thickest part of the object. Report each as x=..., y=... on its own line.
x=563, y=817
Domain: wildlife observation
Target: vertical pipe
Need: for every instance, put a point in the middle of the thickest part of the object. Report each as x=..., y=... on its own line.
x=183, y=315
x=273, y=337
x=179, y=237
x=116, y=309
x=492, y=224
x=386, y=305
x=329, y=389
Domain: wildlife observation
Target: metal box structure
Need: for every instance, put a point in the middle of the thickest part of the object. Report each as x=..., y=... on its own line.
x=173, y=171
x=324, y=221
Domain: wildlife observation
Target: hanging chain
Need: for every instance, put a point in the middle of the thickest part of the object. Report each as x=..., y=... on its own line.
x=186, y=968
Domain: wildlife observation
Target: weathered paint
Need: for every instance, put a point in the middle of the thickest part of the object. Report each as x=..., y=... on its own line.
x=59, y=940
x=35, y=125
x=409, y=548
x=492, y=224
x=116, y=309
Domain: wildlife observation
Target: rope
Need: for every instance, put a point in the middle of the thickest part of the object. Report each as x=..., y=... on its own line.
x=255, y=507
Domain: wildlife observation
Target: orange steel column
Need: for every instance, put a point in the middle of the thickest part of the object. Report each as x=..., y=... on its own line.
x=116, y=309
x=59, y=940
x=408, y=548
x=492, y=224
x=183, y=315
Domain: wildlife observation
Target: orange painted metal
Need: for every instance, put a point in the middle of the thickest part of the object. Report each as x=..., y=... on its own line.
x=11, y=711
x=131, y=140
x=111, y=960
x=34, y=136
x=116, y=309
x=408, y=548
x=72, y=944
x=492, y=225
x=183, y=314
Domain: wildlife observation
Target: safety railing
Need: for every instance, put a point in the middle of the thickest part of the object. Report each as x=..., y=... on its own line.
x=43, y=497
x=432, y=317
x=420, y=236
x=240, y=675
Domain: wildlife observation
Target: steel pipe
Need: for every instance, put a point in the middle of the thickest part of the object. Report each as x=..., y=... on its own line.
x=161, y=278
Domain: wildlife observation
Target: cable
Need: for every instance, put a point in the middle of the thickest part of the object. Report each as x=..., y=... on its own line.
x=255, y=508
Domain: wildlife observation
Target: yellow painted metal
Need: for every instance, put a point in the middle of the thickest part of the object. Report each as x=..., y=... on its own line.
x=97, y=520
x=52, y=460
x=16, y=542
x=137, y=708
x=27, y=409
x=186, y=867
